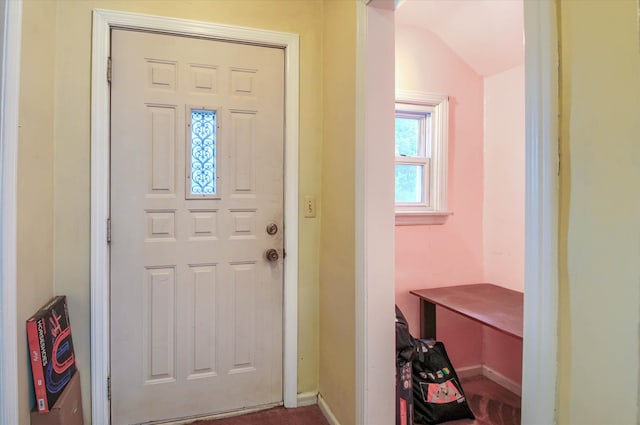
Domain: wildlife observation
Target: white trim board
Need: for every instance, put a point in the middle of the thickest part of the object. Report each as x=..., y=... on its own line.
x=375, y=215
x=492, y=375
x=502, y=380
x=540, y=343
x=11, y=18
x=103, y=21
x=469, y=371
x=326, y=411
x=307, y=399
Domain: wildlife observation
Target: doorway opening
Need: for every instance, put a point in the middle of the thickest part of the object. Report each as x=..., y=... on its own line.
x=541, y=206
x=446, y=48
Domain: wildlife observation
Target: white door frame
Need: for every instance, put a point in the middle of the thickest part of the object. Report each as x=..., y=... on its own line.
x=11, y=19
x=541, y=224
x=540, y=345
x=103, y=22
x=375, y=214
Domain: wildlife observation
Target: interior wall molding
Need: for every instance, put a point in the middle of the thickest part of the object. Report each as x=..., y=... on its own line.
x=540, y=343
x=375, y=214
x=11, y=19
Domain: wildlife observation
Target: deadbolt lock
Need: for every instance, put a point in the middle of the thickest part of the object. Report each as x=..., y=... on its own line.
x=272, y=228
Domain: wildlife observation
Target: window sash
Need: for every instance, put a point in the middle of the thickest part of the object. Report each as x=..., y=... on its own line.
x=423, y=117
x=426, y=177
x=423, y=142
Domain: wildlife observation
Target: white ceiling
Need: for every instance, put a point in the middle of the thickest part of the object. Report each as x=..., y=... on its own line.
x=487, y=34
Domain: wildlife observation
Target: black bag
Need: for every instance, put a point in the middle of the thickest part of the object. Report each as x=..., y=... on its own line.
x=405, y=343
x=437, y=393
x=405, y=351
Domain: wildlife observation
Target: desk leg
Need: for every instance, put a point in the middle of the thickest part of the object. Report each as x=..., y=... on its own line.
x=427, y=319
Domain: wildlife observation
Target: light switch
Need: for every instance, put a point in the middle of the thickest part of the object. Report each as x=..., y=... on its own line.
x=309, y=206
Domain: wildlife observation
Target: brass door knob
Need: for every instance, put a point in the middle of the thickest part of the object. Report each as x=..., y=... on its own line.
x=271, y=255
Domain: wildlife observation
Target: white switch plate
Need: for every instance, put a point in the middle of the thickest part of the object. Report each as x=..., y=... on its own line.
x=309, y=206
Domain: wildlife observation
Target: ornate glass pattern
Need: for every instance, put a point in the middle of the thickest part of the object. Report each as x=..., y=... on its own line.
x=203, y=152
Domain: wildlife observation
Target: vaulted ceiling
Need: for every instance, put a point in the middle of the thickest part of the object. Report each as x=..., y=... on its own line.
x=487, y=34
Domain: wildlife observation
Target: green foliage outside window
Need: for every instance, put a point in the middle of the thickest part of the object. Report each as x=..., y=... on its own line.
x=408, y=177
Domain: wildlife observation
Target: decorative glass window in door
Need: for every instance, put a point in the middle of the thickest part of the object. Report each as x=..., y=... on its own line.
x=202, y=170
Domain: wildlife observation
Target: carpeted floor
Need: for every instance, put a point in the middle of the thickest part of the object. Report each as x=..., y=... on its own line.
x=490, y=403
x=310, y=415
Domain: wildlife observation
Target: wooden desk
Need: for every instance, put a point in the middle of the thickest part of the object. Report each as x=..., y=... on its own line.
x=491, y=305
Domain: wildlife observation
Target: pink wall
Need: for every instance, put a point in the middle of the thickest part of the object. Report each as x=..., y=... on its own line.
x=503, y=215
x=484, y=240
x=449, y=254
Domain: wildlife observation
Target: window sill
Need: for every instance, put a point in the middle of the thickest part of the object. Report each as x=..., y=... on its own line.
x=417, y=218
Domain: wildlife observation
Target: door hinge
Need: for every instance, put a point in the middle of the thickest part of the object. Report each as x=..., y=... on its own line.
x=109, y=70
x=108, y=230
x=109, y=388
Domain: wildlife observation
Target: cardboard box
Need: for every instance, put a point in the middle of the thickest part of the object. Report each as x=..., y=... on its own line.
x=404, y=395
x=51, y=351
x=67, y=410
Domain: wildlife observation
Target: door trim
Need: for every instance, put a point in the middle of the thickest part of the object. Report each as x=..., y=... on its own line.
x=540, y=344
x=103, y=22
x=375, y=214
x=11, y=17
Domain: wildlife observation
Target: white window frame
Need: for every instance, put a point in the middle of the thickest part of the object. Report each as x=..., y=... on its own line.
x=434, y=209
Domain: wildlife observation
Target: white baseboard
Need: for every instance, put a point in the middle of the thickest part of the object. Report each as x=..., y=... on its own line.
x=326, y=411
x=307, y=399
x=469, y=371
x=502, y=380
x=489, y=373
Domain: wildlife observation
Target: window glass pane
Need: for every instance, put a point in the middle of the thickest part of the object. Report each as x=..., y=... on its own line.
x=407, y=136
x=409, y=183
x=203, y=152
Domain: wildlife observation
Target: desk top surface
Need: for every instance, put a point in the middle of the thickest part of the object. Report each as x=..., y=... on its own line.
x=492, y=305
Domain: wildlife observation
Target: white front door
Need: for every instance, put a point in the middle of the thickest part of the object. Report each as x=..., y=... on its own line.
x=196, y=201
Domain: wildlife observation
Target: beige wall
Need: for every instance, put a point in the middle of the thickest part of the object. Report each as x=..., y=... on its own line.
x=35, y=179
x=599, y=212
x=337, y=263
x=600, y=179
x=54, y=168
